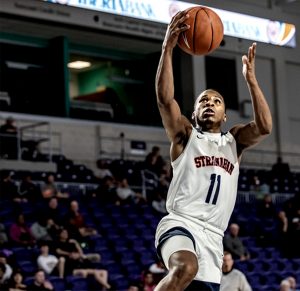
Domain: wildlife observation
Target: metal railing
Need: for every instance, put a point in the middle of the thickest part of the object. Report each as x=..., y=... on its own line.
x=39, y=133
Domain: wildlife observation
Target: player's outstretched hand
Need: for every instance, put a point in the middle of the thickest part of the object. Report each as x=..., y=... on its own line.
x=249, y=63
x=175, y=27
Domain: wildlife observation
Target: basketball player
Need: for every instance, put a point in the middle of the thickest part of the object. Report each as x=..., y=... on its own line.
x=205, y=165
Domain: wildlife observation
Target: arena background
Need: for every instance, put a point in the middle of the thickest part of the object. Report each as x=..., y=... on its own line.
x=108, y=111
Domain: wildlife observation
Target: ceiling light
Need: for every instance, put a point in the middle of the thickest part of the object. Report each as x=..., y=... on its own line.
x=79, y=65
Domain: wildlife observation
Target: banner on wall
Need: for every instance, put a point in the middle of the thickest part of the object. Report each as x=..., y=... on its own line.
x=145, y=18
x=235, y=24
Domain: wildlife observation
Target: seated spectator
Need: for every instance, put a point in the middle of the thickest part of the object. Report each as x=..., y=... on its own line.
x=39, y=229
x=232, y=279
x=159, y=203
x=50, y=264
x=75, y=219
x=126, y=195
x=28, y=189
x=102, y=170
x=293, y=283
x=8, y=187
x=259, y=188
x=50, y=190
x=282, y=233
x=3, y=280
x=158, y=270
x=148, y=281
x=285, y=285
x=40, y=282
x=78, y=263
x=266, y=208
x=20, y=233
x=3, y=235
x=9, y=139
x=234, y=245
x=16, y=282
x=7, y=269
x=53, y=211
x=106, y=192
x=135, y=286
x=154, y=161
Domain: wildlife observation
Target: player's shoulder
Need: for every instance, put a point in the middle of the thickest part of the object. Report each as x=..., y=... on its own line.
x=235, y=129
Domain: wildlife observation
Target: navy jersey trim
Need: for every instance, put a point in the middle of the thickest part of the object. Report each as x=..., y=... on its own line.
x=178, y=230
x=203, y=286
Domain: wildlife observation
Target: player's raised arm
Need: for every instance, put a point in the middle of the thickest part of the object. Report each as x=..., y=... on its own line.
x=253, y=132
x=172, y=119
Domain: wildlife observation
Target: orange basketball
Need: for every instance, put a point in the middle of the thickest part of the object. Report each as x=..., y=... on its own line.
x=205, y=33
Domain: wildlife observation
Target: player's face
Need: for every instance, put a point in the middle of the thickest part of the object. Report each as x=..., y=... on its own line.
x=210, y=109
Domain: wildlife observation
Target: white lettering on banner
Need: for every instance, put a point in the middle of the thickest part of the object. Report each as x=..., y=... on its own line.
x=235, y=24
x=133, y=8
x=144, y=18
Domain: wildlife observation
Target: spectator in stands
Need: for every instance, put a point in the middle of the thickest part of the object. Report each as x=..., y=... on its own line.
x=3, y=280
x=6, y=269
x=280, y=170
x=285, y=285
x=50, y=263
x=53, y=211
x=76, y=221
x=16, y=282
x=293, y=283
x=102, y=170
x=125, y=195
x=39, y=229
x=3, y=235
x=8, y=187
x=232, y=279
x=266, y=208
x=234, y=245
x=282, y=233
x=259, y=188
x=135, y=286
x=106, y=192
x=148, y=281
x=154, y=161
x=158, y=270
x=72, y=251
x=20, y=233
x=294, y=235
x=50, y=190
x=159, y=202
x=78, y=263
x=28, y=189
x=9, y=139
x=40, y=282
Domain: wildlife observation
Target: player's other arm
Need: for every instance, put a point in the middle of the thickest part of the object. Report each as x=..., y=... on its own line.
x=175, y=124
x=253, y=132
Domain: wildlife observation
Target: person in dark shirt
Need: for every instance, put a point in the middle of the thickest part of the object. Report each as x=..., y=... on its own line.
x=40, y=283
x=9, y=139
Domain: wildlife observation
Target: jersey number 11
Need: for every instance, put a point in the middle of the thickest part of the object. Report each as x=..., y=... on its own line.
x=213, y=179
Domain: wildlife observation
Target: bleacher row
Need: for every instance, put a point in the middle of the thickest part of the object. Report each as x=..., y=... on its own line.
x=126, y=233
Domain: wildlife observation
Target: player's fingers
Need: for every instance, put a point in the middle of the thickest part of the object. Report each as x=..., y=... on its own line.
x=178, y=15
x=250, y=53
x=245, y=60
x=253, y=50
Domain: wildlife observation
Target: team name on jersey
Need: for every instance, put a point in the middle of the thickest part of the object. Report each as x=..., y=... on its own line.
x=205, y=161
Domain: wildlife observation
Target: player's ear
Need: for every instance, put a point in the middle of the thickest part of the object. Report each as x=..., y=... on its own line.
x=194, y=115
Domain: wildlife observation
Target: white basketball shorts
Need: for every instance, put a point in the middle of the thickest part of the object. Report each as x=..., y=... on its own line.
x=206, y=244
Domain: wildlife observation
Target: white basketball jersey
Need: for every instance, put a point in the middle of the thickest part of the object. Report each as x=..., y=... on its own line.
x=205, y=178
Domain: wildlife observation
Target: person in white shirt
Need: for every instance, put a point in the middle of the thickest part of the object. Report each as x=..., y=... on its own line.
x=48, y=263
x=232, y=279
